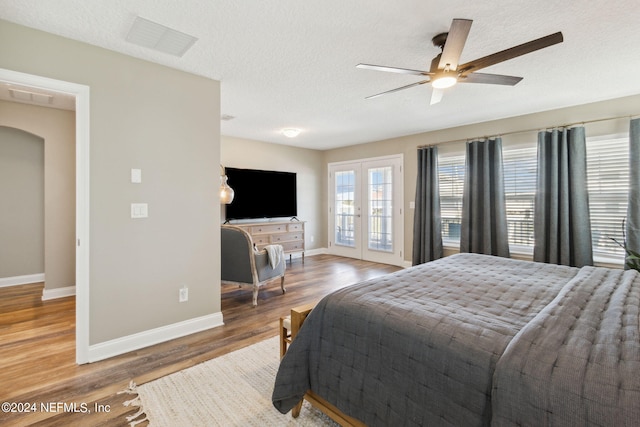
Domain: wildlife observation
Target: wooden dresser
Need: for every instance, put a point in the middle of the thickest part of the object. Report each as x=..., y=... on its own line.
x=289, y=234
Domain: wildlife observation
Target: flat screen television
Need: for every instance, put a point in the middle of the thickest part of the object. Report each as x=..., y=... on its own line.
x=261, y=194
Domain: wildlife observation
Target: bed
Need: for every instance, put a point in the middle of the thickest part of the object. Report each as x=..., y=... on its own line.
x=473, y=340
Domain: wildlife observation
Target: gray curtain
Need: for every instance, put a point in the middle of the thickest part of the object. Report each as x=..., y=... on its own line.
x=484, y=215
x=562, y=226
x=427, y=226
x=633, y=209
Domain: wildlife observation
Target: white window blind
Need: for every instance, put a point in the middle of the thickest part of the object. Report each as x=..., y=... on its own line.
x=520, y=189
x=608, y=184
x=451, y=178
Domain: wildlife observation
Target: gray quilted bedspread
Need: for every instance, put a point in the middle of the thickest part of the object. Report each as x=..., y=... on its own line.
x=420, y=346
x=577, y=363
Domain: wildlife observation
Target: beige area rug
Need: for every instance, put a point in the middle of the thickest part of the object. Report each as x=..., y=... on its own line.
x=231, y=390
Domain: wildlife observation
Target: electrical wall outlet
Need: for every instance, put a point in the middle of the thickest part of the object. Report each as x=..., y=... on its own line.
x=184, y=294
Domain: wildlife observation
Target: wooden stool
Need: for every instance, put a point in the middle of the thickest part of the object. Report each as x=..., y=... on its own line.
x=290, y=325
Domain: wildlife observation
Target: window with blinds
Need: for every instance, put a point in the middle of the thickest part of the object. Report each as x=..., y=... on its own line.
x=520, y=189
x=451, y=178
x=520, y=184
x=608, y=184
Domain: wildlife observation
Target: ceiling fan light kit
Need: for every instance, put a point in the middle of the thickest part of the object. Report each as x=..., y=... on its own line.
x=445, y=70
x=444, y=79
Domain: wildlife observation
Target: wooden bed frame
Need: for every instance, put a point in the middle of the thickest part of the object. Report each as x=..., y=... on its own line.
x=328, y=409
x=295, y=321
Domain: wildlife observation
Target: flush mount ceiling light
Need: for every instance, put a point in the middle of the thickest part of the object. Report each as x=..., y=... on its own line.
x=159, y=37
x=291, y=132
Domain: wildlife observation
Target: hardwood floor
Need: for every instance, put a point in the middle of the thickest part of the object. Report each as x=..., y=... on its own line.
x=37, y=344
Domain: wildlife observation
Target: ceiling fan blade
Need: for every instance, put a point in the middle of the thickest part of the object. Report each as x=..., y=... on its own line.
x=436, y=96
x=398, y=88
x=510, y=53
x=493, y=79
x=456, y=39
x=393, y=69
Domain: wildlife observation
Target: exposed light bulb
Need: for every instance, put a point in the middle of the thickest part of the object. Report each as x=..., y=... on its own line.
x=226, y=192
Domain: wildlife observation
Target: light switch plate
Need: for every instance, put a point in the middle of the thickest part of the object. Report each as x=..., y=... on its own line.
x=139, y=210
x=136, y=176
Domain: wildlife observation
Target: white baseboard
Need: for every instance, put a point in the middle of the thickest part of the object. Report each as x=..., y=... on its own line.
x=21, y=280
x=322, y=251
x=148, y=338
x=312, y=252
x=67, y=291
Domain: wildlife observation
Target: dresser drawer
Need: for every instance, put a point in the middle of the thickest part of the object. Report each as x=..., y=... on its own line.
x=285, y=237
x=268, y=228
x=293, y=246
x=295, y=227
x=260, y=240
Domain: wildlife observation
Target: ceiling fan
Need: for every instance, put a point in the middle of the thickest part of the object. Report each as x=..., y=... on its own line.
x=445, y=70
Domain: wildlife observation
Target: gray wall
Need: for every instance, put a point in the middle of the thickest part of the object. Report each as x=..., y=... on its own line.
x=165, y=122
x=57, y=127
x=22, y=203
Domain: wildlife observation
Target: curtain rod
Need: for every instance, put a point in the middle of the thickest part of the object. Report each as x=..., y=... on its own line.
x=532, y=130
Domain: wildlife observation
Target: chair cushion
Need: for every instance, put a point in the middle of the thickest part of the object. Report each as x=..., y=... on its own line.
x=286, y=323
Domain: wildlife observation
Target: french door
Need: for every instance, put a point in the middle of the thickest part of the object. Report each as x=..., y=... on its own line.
x=365, y=209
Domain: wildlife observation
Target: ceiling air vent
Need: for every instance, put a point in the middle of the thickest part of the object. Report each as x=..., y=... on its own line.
x=23, y=95
x=158, y=37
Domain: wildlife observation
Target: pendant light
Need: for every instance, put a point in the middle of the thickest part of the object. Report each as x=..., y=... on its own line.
x=226, y=192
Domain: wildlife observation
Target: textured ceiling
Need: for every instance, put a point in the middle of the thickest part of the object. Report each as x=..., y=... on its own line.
x=291, y=63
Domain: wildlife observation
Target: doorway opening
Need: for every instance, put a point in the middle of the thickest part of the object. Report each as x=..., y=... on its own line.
x=81, y=94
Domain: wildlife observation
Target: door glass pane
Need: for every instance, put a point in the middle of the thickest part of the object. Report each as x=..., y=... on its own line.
x=345, y=208
x=380, y=209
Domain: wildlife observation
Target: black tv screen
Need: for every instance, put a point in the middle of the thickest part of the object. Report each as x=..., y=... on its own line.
x=261, y=194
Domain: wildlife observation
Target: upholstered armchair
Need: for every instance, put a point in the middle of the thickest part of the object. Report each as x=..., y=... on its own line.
x=243, y=265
